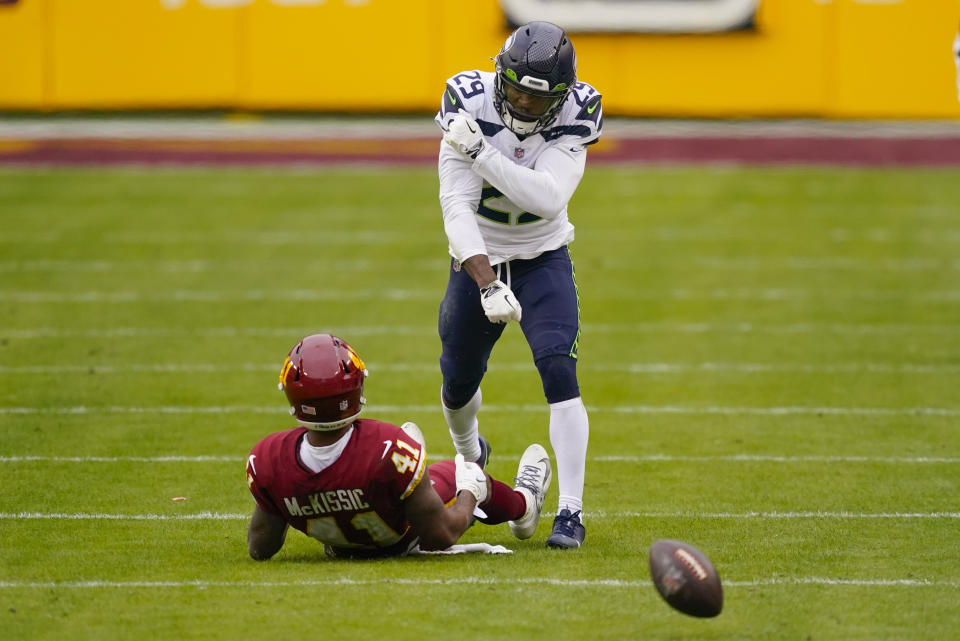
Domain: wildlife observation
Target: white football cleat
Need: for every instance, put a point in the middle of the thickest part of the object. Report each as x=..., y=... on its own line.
x=533, y=481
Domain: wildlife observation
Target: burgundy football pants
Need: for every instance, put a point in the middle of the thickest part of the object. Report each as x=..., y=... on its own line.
x=503, y=504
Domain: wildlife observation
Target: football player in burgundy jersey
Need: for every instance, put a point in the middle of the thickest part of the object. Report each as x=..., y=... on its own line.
x=516, y=147
x=361, y=486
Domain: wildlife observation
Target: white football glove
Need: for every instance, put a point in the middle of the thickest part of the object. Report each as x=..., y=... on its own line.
x=471, y=478
x=463, y=134
x=500, y=303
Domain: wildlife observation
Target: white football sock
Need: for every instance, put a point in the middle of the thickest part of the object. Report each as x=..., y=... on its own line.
x=464, y=427
x=569, y=433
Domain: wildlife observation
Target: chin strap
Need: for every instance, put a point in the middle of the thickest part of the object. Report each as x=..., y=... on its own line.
x=512, y=126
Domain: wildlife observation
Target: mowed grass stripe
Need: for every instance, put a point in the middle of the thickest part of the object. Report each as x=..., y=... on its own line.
x=745, y=294
x=231, y=266
x=480, y=581
x=649, y=458
x=665, y=327
x=599, y=514
x=665, y=234
x=741, y=263
x=493, y=408
x=623, y=368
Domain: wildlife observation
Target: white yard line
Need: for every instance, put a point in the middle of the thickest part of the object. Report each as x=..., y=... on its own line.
x=650, y=458
x=127, y=459
x=774, y=515
x=232, y=266
x=945, y=236
x=772, y=458
x=747, y=263
x=470, y=581
x=425, y=330
x=625, y=368
x=600, y=514
x=774, y=294
x=100, y=516
x=216, y=332
x=510, y=409
x=217, y=296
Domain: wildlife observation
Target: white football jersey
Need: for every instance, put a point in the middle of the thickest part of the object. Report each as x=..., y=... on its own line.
x=511, y=202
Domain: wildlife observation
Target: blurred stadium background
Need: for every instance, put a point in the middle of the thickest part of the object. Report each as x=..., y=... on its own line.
x=247, y=67
x=777, y=58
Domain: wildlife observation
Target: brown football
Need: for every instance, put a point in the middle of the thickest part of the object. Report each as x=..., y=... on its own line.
x=686, y=578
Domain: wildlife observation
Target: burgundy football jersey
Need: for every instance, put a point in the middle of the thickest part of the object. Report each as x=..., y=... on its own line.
x=355, y=505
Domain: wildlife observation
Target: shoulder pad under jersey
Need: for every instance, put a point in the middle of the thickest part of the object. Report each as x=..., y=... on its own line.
x=402, y=459
x=580, y=119
x=466, y=90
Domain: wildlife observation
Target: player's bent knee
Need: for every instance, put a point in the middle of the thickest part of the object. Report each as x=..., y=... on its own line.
x=457, y=394
x=558, y=373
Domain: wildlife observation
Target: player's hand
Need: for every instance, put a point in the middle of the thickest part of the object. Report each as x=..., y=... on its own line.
x=463, y=134
x=499, y=303
x=471, y=478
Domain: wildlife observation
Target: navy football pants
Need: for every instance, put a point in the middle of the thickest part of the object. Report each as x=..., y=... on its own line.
x=547, y=292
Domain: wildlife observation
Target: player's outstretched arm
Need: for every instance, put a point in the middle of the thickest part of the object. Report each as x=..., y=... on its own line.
x=437, y=526
x=266, y=534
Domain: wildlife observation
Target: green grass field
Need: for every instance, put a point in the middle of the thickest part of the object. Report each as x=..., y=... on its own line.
x=770, y=357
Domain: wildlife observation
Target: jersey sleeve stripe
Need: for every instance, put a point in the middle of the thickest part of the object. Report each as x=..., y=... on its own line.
x=418, y=474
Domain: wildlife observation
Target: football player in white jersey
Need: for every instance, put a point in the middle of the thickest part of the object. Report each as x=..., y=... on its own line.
x=514, y=151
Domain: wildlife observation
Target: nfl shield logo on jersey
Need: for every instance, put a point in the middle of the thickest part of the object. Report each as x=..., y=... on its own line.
x=518, y=152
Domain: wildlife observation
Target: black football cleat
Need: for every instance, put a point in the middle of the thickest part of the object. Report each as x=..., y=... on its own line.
x=568, y=531
x=485, y=450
